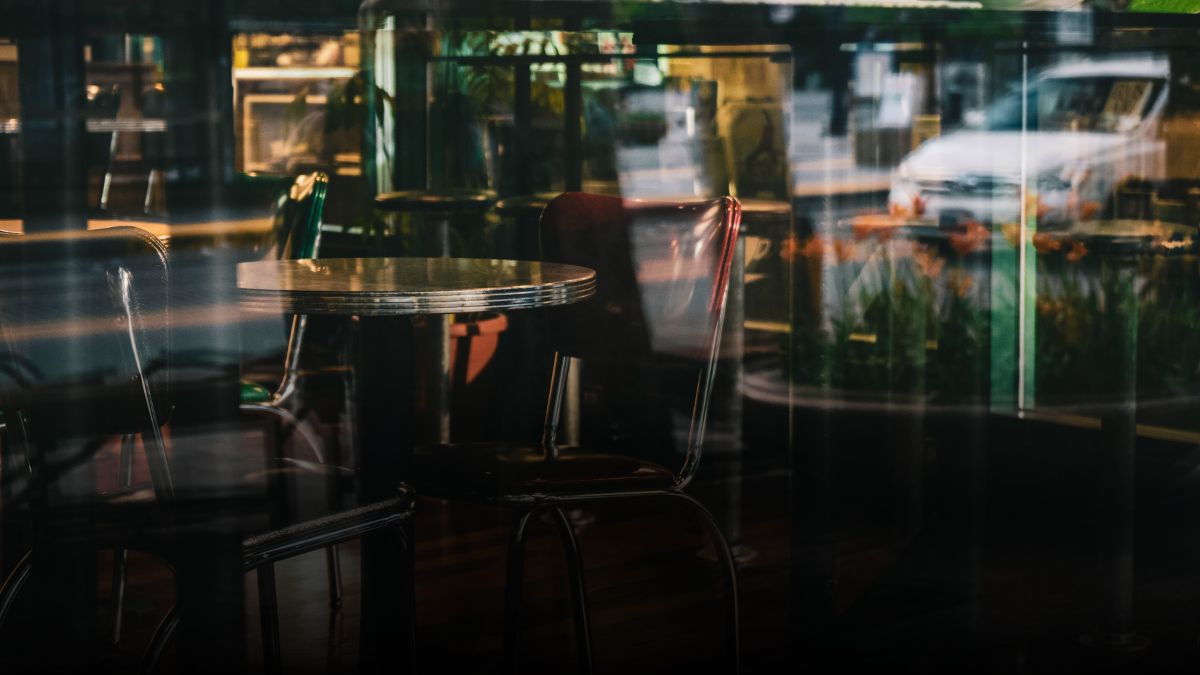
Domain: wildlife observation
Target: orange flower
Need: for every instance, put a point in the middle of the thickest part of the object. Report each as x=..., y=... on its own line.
x=929, y=264
x=1011, y=232
x=960, y=283
x=1033, y=204
x=844, y=250
x=970, y=239
x=1041, y=209
x=815, y=248
x=1088, y=210
x=1078, y=250
x=1045, y=243
x=790, y=248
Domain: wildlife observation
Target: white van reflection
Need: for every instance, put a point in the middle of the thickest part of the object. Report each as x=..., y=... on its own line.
x=1091, y=125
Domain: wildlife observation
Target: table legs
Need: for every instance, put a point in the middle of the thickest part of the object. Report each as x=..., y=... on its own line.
x=433, y=376
x=209, y=588
x=437, y=362
x=385, y=433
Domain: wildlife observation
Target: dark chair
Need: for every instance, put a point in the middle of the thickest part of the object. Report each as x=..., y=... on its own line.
x=297, y=206
x=86, y=354
x=51, y=281
x=296, y=234
x=652, y=328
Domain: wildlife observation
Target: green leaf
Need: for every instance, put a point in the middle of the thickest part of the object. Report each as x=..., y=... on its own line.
x=1166, y=6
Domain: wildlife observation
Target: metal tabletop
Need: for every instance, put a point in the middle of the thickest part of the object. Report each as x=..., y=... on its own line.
x=402, y=286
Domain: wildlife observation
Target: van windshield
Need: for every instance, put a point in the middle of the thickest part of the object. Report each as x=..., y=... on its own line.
x=1097, y=104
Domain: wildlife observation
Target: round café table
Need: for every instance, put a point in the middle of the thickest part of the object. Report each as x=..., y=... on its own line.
x=381, y=287
x=382, y=292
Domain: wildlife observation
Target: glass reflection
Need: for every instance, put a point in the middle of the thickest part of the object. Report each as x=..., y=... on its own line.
x=956, y=358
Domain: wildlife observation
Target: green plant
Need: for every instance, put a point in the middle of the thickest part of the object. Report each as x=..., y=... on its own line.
x=490, y=87
x=882, y=350
x=1088, y=312
x=347, y=104
x=894, y=322
x=959, y=340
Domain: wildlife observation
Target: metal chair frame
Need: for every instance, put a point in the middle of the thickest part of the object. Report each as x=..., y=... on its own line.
x=306, y=244
x=313, y=186
x=260, y=552
x=526, y=505
x=122, y=295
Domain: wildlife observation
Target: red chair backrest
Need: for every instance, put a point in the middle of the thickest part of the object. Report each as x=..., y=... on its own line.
x=662, y=272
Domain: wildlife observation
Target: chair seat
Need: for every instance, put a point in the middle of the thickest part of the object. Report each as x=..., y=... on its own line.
x=126, y=513
x=253, y=392
x=516, y=472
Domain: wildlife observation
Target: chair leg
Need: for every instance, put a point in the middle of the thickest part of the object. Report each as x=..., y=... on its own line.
x=574, y=560
x=333, y=569
x=333, y=562
x=728, y=570
x=407, y=536
x=287, y=421
x=13, y=584
x=120, y=565
x=159, y=641
x=268, y=608
x=333, y=663
x=120, y=555
x=514, y=580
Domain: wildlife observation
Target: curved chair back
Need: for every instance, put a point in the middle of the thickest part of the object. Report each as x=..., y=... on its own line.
x=85, y=341
x=662, y=273
x=297, y=225
x=297, y=235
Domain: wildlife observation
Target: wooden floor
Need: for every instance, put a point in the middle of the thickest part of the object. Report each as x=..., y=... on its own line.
x=655, y=597
x=1009, y=588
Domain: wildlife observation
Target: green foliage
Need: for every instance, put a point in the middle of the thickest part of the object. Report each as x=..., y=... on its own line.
x=1165, y=6
x=471, y=95
x=490, y=87
x=894, y=361
x=1085, y=335
x=348, y=103
x=919, y=331
x=958, y=368
x=924, y=330
x=1072, y=335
